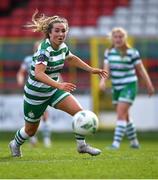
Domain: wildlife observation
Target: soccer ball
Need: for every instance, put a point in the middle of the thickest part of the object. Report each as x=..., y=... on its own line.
x=85, y=122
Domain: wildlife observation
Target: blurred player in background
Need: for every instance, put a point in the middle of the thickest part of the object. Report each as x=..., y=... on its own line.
x=43, y=88
x=21, y=76
x=123, y=61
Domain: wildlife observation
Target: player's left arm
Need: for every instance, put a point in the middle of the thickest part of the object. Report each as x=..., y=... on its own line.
x=77, y=62
x=144, y=75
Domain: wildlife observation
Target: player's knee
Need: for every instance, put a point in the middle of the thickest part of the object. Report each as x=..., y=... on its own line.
x=122, y=115
x=30, y=132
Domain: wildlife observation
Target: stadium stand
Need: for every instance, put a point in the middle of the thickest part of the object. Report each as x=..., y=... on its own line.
x=95, y=15
x=79, y=13
x=139, y=18
x=90, y=18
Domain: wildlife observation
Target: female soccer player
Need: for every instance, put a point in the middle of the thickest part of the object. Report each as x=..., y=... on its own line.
x=123, y=61
x=43, y=89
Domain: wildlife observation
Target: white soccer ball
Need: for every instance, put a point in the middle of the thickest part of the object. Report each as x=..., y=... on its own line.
x=85, y=122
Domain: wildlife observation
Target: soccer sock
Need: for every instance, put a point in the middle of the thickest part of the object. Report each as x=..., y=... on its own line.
x=46, y=133
x=80, y=139
x=33, y=140
x=119, y=132
x=131, y=133
x=20, y=137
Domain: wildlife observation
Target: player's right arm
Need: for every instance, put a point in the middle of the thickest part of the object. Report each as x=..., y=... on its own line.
x=21, y=76
x=102, y=84
x=43, y=77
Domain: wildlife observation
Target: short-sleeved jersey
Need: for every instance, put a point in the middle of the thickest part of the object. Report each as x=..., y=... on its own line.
x=26, y=64
x=36, y=92
x=122, y=68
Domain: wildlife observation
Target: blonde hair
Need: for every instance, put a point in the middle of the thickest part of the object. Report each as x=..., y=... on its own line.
x=119, y=29
x=123, y=32
x=43, y=23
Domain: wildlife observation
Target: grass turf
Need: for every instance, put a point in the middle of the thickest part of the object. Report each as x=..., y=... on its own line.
x=62, y=160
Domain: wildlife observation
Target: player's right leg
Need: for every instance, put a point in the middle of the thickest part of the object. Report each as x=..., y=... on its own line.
x=120, y=129
x=32, y=114
x=70, y=105
x=21, y=136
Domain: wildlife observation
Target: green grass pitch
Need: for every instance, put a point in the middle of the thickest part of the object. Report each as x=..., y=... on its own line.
x=62, y=160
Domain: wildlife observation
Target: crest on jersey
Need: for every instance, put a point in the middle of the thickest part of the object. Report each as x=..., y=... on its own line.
x=31, y=114
x=128, y=95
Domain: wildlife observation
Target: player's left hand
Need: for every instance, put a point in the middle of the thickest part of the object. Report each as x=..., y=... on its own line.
x=150, y=89
x=101, y=72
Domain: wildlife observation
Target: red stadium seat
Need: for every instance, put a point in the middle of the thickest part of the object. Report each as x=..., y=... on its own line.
x=14, y=32
x=29, y=33
x=78, y=12
x=75, y=21
x=123, y=2
x=5, y=5
x=4, y=22
x=17, y=21
x=3, y=32
x=19, y=12
x=90, y=21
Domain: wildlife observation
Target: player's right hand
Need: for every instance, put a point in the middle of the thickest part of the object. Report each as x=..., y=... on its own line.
x=20, y=81
x=66, y=86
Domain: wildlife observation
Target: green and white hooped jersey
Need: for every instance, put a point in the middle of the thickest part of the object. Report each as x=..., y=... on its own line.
x=122, y=69
x=36, y=92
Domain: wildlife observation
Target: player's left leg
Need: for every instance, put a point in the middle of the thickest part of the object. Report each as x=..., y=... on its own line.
x=70, y=105
x=130, y=94
x=132, y=134
x=33, y=141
